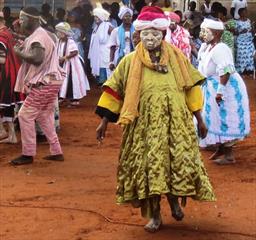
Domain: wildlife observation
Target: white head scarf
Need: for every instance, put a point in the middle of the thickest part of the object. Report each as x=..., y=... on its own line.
x=123, y=10
x=64, y=27
x=212, y=24
x=101, y=13
x=159, y=24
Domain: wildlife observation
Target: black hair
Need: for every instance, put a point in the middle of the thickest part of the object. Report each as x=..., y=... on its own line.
x=60, y=12
x=6, y=9
x=46, y=7
x=224, y=11
x=115, y=5
x=241, y=10
x=216, y=6
x=105, y=6
x=192, y=4
x=167, y=3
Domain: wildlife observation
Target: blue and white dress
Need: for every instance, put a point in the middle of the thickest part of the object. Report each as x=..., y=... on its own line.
x=231, y=120
x=244, y=47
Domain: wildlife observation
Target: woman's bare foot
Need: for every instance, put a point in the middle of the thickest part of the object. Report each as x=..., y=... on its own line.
x=177, y=213
x=154, y=224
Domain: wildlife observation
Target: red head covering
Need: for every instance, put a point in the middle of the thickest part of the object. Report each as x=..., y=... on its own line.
x=151, y=17
x=174, y=17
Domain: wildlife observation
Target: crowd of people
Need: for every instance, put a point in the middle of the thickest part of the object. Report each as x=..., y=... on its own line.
x=171, y=79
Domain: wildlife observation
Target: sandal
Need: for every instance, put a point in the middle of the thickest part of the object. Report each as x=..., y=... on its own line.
x=224, y=161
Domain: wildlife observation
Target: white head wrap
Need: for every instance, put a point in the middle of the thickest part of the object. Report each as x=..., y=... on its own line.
x=212, y=24
x=123, y=10
x=40, y=18
x=158, y=23
x=64, y=27
x=203, y=25
x=101, y=13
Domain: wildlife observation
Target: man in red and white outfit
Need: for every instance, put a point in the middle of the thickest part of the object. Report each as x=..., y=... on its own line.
x=178, y=35
x=40, y=77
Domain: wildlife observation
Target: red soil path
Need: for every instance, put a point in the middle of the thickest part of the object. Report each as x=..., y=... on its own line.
x=75, y=200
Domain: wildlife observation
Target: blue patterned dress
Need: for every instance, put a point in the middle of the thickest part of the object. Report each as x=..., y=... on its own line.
x=244, y=47
x=231, y=120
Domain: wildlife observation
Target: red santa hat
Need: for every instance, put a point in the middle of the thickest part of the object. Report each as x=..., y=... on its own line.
x=151, y=17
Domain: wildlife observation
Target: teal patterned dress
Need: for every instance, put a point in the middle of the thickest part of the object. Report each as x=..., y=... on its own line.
x=244, y=47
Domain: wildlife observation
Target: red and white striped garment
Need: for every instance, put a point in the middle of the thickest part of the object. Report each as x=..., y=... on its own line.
x=39, y=106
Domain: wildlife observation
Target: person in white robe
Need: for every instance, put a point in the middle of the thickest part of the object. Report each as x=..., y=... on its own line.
x=75, y=85
x=99, y=52
x=226, y=105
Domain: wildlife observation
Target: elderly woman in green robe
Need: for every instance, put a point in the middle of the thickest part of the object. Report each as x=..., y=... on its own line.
x=153, y=93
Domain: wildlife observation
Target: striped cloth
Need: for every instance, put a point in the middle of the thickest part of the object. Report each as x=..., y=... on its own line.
x=39, y=106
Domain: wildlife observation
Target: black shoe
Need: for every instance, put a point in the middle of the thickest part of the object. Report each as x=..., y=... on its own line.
x=58, y=157
x=22, y=160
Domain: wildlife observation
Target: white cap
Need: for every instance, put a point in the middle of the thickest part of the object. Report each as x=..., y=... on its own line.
x=212, y=24
x=101, y=13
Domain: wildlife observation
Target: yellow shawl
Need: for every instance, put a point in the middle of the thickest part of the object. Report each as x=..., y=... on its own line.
x=180, y=67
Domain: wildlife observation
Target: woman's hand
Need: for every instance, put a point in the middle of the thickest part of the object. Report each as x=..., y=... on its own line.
x=101, y=129
x=112, y=66
x=202, y=129
x=219, y=98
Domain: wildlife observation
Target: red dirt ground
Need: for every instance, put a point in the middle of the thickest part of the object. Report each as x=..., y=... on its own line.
x=75, y=200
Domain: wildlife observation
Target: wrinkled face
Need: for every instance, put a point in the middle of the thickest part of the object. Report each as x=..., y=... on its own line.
x=151, y=38
x=127, y=18
x=202, y=33
x=208, y=35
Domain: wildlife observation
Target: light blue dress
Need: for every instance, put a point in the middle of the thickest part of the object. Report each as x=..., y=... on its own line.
x=244, y=47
